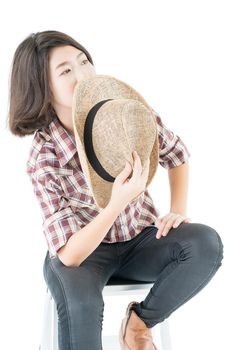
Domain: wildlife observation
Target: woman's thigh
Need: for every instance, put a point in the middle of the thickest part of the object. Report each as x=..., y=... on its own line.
x=193, y=243
x=85, y=280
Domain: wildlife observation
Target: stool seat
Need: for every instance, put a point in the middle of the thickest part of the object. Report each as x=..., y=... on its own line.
x=122, y=286
x=122, y=281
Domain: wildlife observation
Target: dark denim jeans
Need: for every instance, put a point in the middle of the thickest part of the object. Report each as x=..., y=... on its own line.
x=180, y=265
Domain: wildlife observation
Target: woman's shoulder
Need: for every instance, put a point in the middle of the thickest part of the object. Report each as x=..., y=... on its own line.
x=42, y=152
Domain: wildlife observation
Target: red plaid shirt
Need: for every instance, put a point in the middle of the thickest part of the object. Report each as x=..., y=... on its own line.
x=64, y=196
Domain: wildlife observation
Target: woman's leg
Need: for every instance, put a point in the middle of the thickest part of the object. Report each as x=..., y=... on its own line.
x=77, y=292
x=180, y=264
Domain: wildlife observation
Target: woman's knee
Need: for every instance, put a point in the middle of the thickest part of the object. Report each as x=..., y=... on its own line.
x=77, y=291
x=205, y=241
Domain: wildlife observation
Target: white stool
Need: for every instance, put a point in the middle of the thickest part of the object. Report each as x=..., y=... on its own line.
x=114, y=287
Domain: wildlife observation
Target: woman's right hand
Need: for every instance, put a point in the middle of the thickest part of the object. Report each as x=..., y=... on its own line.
x=126, y=189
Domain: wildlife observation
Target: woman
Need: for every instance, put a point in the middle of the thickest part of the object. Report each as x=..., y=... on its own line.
x=87, y=246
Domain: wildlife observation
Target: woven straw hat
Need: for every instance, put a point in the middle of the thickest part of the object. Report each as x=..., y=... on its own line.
x=110, y=121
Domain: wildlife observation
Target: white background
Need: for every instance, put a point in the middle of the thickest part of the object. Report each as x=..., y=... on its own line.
x=178, y=55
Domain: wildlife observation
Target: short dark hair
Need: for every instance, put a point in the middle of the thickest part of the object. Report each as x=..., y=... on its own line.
x=29, y=94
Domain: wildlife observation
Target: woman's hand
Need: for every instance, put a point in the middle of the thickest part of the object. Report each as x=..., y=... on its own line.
x=171, y=220
x=126, y=189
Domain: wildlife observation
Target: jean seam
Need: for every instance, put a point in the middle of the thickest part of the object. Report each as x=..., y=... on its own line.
x=66, y=303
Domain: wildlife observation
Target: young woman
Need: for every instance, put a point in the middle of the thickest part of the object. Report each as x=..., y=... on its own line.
x=87, y=246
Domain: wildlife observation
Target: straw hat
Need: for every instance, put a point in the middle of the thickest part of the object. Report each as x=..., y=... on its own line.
x=110, y=121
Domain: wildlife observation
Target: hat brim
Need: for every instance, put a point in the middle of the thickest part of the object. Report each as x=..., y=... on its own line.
x=86, y=94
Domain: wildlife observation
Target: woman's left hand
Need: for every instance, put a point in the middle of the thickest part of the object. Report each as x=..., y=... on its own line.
x=171, y=220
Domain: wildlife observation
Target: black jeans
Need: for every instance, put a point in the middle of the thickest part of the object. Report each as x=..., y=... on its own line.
x=179, y=265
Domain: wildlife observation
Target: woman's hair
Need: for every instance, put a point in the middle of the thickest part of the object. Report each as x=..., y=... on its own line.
x=30, y=95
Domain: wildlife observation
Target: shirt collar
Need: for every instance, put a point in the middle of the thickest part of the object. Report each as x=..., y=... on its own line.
x=64, y=142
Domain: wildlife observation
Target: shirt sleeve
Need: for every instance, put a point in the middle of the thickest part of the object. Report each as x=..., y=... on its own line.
x=59, y=221
x=172, y=150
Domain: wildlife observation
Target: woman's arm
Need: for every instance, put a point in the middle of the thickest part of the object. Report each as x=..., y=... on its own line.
x=83, y=242
x=178, y=179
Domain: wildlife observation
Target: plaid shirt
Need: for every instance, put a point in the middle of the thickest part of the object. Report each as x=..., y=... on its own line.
x=65, y=199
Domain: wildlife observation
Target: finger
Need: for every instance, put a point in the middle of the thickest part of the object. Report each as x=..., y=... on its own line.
x=161, y=228
x=125, y=173
x=137, y=166
x=146, y=169
x=137, y=159
x=187, y=220
x=166, y=225
x=181, y=219
x=165, y=218
x=177, y=222
x=161, y=221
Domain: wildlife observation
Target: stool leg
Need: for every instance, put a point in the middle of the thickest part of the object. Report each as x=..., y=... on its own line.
x=46, y=335
x=49, y=335
x=165, y=335
x=55, y=327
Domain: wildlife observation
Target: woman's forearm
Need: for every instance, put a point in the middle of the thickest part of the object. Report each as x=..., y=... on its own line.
x=178, y=180
x=83, y=242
